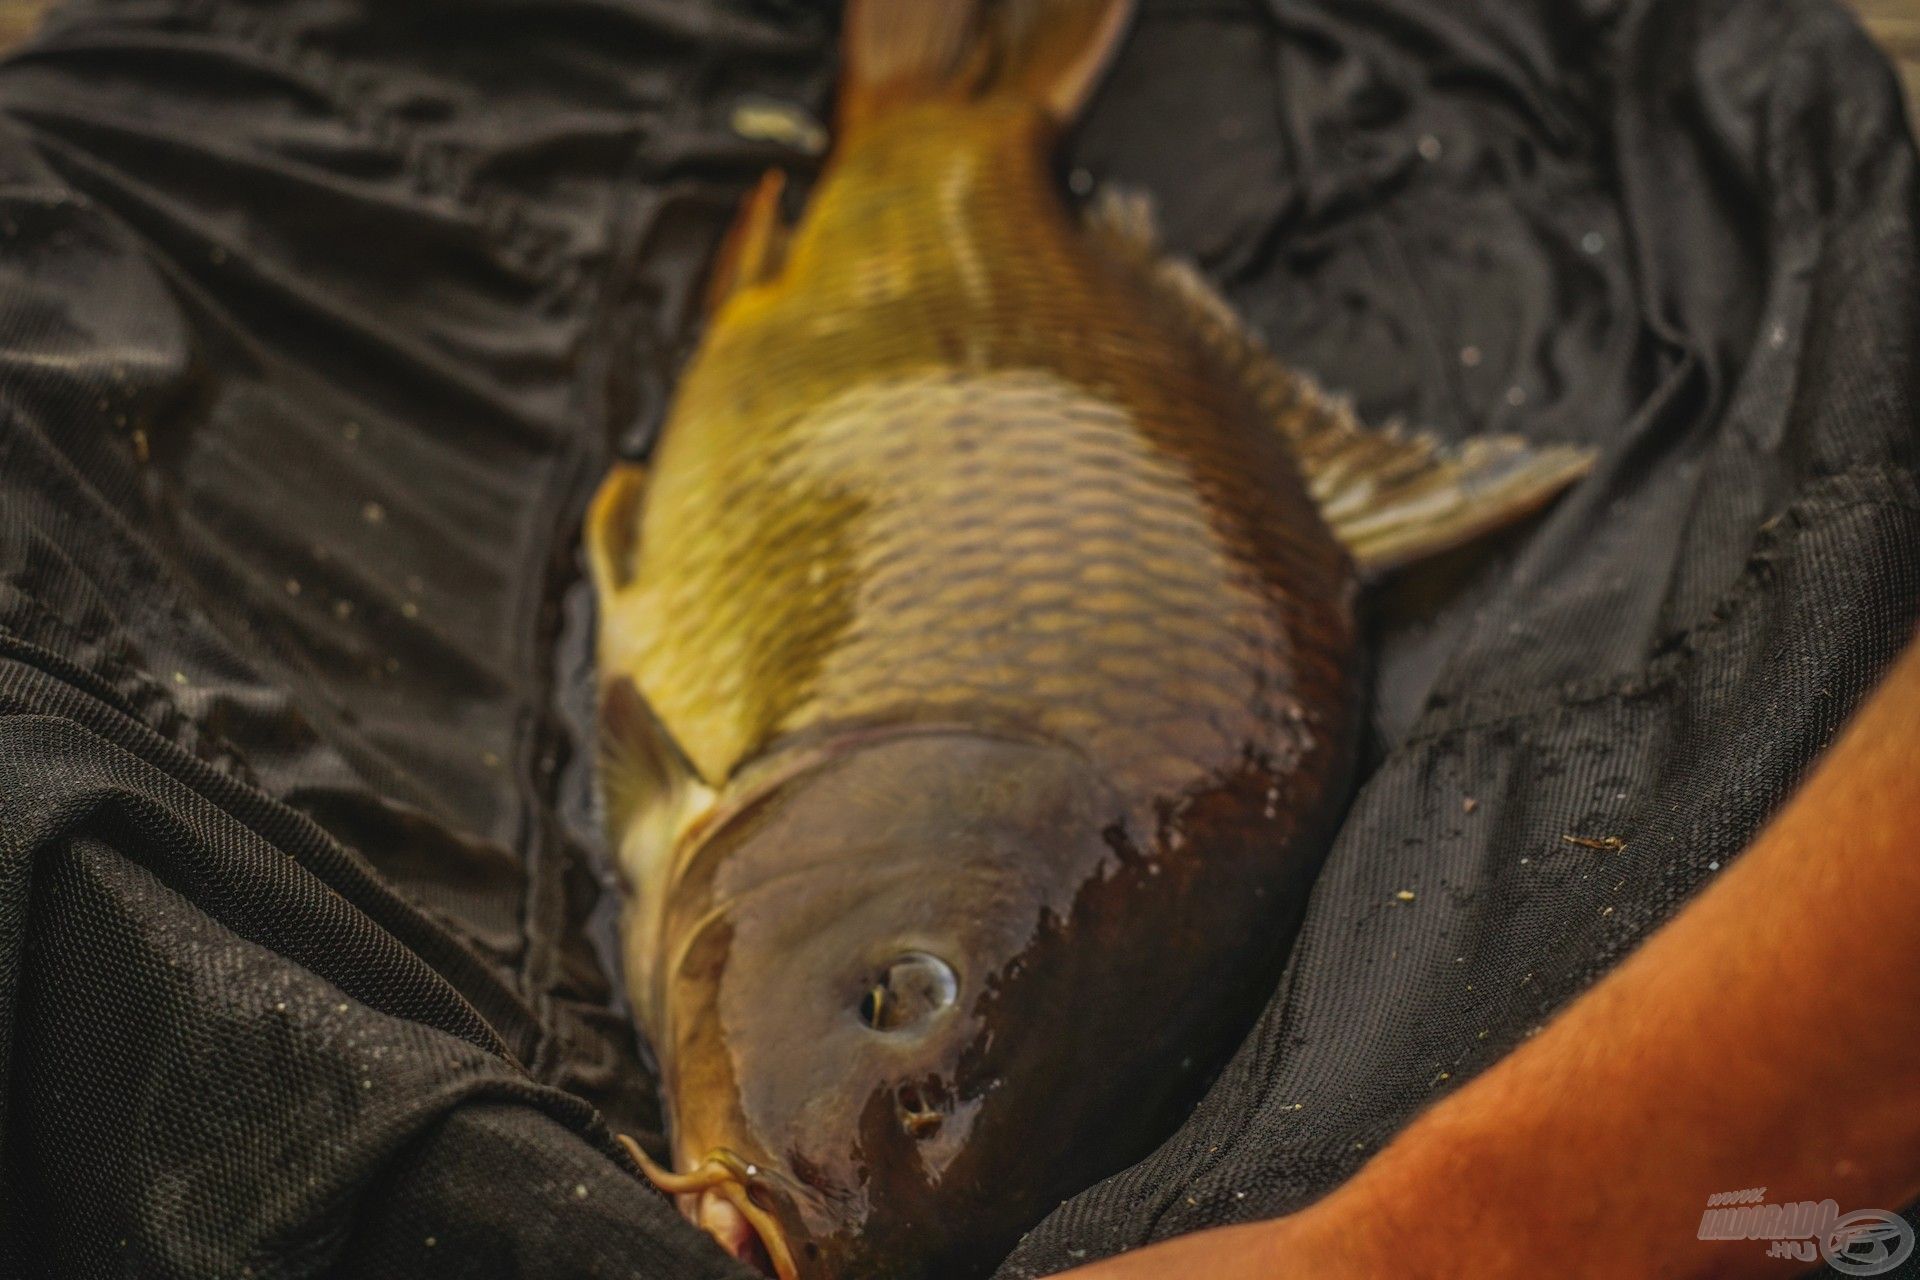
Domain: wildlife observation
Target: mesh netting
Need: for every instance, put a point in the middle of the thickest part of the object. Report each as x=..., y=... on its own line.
x=321, y=318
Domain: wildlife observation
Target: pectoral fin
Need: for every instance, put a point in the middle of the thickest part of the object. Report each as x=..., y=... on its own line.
x=652, y=796
x=646, y=778
x=1392, y=496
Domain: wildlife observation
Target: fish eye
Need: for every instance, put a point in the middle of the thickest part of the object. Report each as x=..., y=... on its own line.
x=911, y=989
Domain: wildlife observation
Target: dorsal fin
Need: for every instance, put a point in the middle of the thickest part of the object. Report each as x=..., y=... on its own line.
x=1392, y=496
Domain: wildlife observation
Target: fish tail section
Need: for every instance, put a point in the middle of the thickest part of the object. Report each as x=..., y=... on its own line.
x=1391, y=495
x=1050, y=51
x=1053, y=51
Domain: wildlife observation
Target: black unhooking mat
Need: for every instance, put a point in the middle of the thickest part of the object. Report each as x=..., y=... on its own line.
x=320, y=318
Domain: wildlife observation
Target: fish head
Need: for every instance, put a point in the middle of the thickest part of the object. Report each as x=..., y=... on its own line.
x=875, y=1011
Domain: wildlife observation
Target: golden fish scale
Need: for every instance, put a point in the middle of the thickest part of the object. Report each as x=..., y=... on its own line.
x=956, y=465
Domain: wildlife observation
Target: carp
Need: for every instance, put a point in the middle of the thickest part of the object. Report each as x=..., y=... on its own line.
x=979, y=673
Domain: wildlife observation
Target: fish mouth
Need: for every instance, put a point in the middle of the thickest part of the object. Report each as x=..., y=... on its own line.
x=717, y=1195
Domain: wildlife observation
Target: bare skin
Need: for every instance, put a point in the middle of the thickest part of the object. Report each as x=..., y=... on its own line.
x=1764, y=1037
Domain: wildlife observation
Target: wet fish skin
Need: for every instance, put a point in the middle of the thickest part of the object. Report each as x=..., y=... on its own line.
x=950, y=457
x=979, y=679
x=999, y=623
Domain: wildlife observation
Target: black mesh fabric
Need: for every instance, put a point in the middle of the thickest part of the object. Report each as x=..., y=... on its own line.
x=319, y=320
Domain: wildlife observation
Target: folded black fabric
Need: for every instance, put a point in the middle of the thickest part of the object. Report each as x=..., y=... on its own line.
x=319, y=320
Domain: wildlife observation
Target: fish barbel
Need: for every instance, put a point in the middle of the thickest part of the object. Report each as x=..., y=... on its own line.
x=979, y=668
